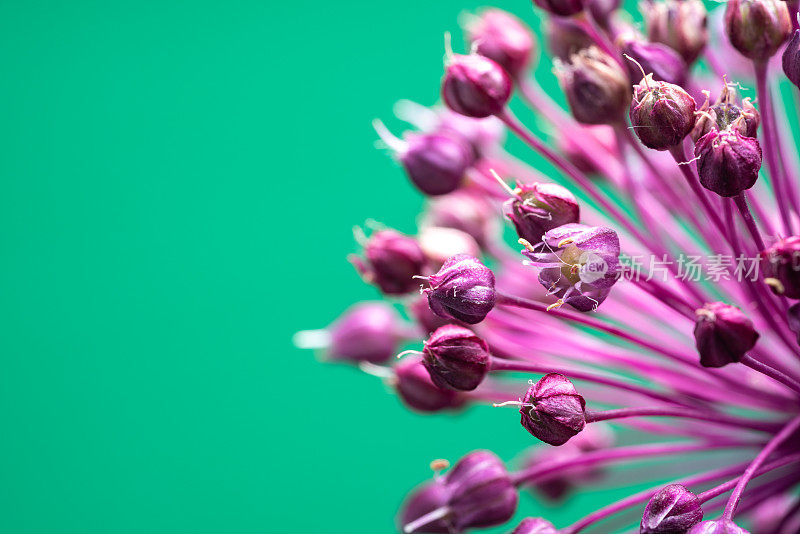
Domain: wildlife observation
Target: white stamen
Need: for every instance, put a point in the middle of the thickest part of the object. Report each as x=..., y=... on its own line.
x=391, y=140
x=311, y=339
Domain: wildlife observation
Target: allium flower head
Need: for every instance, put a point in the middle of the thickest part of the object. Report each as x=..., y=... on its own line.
x=723, y=334
x=475, y=86
x=539, y=207
x=662, y=114
x=391, y=261
x=552, y=410
x=463, y=289
x=727, y=162
x=456, y=358
x=757, y=28
x=679, y=24
x=674, y=509
x=503, y=38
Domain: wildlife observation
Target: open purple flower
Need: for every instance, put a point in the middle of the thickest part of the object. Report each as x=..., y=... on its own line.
x=539, y=207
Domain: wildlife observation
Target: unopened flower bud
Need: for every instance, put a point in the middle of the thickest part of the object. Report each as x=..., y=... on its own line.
x=791, y=59
x=535, y=525
x=661, y=61
x=565, y=38
x=367, y=332
x=574, y=148
x=539, y=207
x=456, y=358
x=463, y=289
x=679, y=24
x=421, y=311
x=757, y=28
x=561, y=8
x=602, y=10
x=722, y=334
x=780, y=265
x=391, y=260
x=436, y=162
x=662, y=114
x=727, y=162
x=484, y=135
x=552, y=410
x=424, y=500
x=464, y=211
x=475, y=86
x=718, y=526
x=503, y=38
x=417, y=390
x=597, y=90
x=793, y=319
x=674, y=509
x=439, y=244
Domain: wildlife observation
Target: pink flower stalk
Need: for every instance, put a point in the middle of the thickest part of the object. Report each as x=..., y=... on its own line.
x=654, y=287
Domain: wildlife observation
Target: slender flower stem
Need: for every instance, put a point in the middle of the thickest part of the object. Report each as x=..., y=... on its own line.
x=727, y=486
x=771, y=372
x=749, y=222
x=773, y=444
x=713, y=417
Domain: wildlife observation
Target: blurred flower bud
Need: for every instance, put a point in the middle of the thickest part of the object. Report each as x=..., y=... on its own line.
x=599, y=135
x=439, y=244
x=436, y=162
x=757, y=28
x=659, y=60
x=503, y=38
x=791, y=59
x=780, y=265
x=464, y=211
x=535, y=525
x=719, y=526
x=602, y=10
x=475, y=86
x=417, y=390
x=579, y=263
x=456, y=358
x=597, y=90
x=424, y=500
x=679, y=24
x=422, y=314
x=391, y=260
x=722, y=334
x=662, y=114
x=483, y=135
x=368, y=331
x=768, y=515
x=552, y=410
x=463, y=289
x=728, y=163
x=561, y=8
x=565, y=38
x=539, y=207
x=672, y=510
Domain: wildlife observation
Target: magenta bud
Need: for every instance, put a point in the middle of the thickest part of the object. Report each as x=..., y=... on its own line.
x=503, y=38
x=390, y=261
x=727, y=162
x=664, y=63
x=552, y=410
x=422, y=501
x=456, y=358
x=565, y=38
x=780, y=265
x=793, y=318
x=475, y=86
x=367, y=332
x=597, y=90
x=673, y=510
x=791, y=59
x=662, y=114
x=539, y=207
x=561, y=8
x=436, y=162
x=464, y=211
x=417, y=390
x=757, y=28
x=679, y=24
x=481, y=493
x=439, y=244
x=535, y=525
x=722, y=334
x=483, y=135
x=424, y=316
x=463, y=289
x=719, y=526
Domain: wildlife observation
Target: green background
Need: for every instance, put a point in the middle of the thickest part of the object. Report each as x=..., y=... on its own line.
x=179, y=184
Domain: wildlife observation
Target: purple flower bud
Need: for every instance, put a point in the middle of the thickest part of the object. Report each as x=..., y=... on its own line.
x=481, y=493
x=552, y=410
x=391, y=260
x=483, y=135
x=417, y=390
x=475, y=86
x=757, y=28
x=503, y=38
x=436, y=162
x=565, y=38
x=662, y=114
x=722, y=334
x=791, y=59
x=463, y=289
x=597, y=90
x=439, y=244
x=780, y=265
x=718, y=526
x=424, y=500
x=539, y=207
x=422, y=313
x=728, y=163
x=793, y=318
x=367, y=332
x=673, y=510
x=602, y=10
x=535, y=525
x=456, y=358
x=679, y=24
x=664, y=63
x=601, y=135
x=464, y=211
x=579, y=263
x=561, y=8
